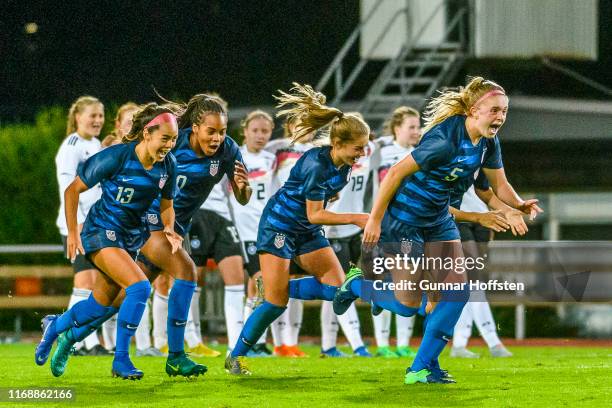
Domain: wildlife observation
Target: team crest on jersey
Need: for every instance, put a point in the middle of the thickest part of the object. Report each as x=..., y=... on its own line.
x=111, y=235
x=195, y=243
x=279, y=240
x=214, y=167
x=405, y=246
x=162, y=181
x=337, y=247
x=252, y=249
x=152, y=219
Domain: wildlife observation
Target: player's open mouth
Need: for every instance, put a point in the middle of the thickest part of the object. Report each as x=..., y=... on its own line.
x=163, y=153
x=493, y=128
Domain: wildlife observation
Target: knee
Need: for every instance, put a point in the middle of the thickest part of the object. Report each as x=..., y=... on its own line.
x=411, y=303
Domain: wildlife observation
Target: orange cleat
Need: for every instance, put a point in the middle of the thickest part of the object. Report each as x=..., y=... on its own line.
x=283, y=351
x=296, y=351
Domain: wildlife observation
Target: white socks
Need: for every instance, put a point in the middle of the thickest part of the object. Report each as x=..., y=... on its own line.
x=404, y=327
x=382, y=327
x=483, y=317
x=279, y=328
x=143, y=336
x=109, y=332
x=79, y=295
x=193, y=333
x=329, y=326
x=349, y=322
x=295, y=307
x=160, y=320
x=233, y=307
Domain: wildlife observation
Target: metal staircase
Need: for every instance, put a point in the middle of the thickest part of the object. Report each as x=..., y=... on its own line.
x=412, y=77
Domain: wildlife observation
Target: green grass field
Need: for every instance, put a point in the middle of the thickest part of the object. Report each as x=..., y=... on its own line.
x=535, y=377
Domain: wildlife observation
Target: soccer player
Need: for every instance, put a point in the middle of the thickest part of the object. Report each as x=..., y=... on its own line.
x=257, y=129
x=460, y=137
x=142, y=337
x=85, y=121
x=345, y=240
x=291, y=224
x=132, y=175
x=405, y=128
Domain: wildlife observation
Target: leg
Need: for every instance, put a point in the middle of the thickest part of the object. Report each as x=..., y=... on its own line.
x=233, y=276
x=160, y=311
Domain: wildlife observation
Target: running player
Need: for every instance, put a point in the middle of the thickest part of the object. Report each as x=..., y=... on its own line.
x=346, y=243
x=85, y=121
x=257, y=128
x=460, y=137
x=290, y=227
x=132, y=175
x=405, y=128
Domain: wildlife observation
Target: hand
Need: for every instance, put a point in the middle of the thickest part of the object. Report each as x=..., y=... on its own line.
x=371, y=233
x=516, y=222
x=175, y=239
x=531, y=208
x=74, y=246
x=493, y=220
x=241, y=177
x=361, y=220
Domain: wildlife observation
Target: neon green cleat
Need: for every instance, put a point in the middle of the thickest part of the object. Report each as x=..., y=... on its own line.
x=64, y=349
x=344, y=295
x=413, y=377
x=405, y=351
x=184, y=366
x=385, y=352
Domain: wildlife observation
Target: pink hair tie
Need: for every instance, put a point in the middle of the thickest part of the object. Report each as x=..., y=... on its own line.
x=490, y=93
x=165, y=117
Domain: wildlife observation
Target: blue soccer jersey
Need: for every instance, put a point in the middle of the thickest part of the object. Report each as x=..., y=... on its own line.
x=479, y=181
x=195, y=178
x=314, y=177
x=128, y=190
x=446, y=157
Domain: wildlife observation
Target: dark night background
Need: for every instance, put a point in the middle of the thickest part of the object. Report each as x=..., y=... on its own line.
x=243, y=49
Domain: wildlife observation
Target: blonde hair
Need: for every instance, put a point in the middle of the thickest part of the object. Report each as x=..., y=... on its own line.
x=78, y=107
x=256, y=114
x=398, y=116
x=308, y=106
x=456, y=102
x=115, y=136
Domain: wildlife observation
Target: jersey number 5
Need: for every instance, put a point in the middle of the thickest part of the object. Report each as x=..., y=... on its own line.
x=124, y=195
x=453, y=174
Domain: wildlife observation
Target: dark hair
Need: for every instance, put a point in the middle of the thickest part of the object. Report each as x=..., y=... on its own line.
x=142, y=117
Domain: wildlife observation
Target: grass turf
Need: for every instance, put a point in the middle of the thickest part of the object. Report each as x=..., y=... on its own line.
x=534, y=377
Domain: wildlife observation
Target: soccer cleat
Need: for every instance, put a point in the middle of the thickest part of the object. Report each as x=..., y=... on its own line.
x=385, y=352
x=362, y=352
x=425, y=376
x=164, y=350
x=295, y=351
x=126, y=370
x=149, y=352
x=184, y=366
x=376, y=310
x=96, y=350
x=259, y=299
x=201, y=350
x=282, y=351
x=500, y=351
x=62, y=353
x=344, y=296
x=332, y=352
x=259, y=350
x=405, y=351
x=49, y=335
x=236, y=365
x=462, y=352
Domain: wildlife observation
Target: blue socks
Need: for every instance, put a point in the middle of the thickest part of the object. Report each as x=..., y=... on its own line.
x=439, y=329
x=310, y=288
x=79, y=333
x=382, y=298
x=80, y=314
x=255, y=325
x=178, y=311
x=130, y=313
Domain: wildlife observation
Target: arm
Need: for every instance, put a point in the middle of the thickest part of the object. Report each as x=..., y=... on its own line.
x=513, y=217
x=492, y=219
x=505, y=192
x=167, y=215
x=71, y=205
x=240, y=184
x=406, y=167
x=318, y=215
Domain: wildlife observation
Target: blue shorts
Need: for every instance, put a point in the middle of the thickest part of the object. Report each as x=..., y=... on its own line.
x=94, y=238
x=289, y=244
x=395, y=232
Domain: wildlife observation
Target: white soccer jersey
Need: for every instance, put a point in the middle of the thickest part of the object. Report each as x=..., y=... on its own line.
x=73, y=151
x=388, y=153
x=287, y=155
x=261, y=171
x=352, y=196
x=471, y=202
x=218, y=201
